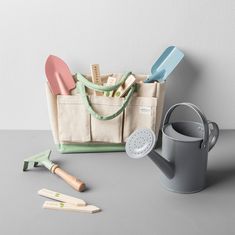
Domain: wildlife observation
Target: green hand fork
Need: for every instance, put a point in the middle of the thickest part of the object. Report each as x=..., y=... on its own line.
x=43, y=159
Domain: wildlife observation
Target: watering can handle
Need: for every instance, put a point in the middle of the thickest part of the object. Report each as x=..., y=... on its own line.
x=214, y=135
x=205, y=141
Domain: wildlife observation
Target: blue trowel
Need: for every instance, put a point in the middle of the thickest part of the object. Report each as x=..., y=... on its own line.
x=165, y=64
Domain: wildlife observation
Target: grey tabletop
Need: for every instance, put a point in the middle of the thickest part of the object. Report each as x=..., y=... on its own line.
x=128, y=191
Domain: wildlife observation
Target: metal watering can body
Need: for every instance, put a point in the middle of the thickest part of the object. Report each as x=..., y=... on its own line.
x=189, y=161
x=185, y=147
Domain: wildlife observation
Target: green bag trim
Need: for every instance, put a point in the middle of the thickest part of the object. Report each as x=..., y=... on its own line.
x=90, y=148
x=81, y=87
x=101, y=88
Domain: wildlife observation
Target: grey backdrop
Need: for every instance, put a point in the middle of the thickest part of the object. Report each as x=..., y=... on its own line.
x=119, y=35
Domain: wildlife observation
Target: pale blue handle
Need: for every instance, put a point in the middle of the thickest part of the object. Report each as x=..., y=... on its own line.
x=156, y=77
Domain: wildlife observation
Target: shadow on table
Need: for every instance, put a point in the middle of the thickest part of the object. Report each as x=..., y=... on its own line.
x=220, y=176
x=181, y=84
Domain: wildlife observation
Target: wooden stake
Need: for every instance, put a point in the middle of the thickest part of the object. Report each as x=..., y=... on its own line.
x=61, y=197
x=69, y=207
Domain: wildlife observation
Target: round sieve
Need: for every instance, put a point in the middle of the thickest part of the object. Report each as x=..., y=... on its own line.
x=140, y=143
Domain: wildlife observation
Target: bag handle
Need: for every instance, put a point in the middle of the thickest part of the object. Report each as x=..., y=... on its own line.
x=101, y=88
x=199, y=113
x=81, y=87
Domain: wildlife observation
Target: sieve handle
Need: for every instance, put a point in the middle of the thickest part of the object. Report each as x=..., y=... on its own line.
x=199, y=113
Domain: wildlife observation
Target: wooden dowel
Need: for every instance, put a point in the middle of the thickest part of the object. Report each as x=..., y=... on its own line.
x=77, y=184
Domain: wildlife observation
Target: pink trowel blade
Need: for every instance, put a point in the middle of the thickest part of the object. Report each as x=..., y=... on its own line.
x=59, y=76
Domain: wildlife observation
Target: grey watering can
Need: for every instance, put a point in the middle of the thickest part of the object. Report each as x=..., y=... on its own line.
x=185, y=147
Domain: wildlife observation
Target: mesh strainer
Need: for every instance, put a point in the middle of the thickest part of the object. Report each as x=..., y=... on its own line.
x=140, y=143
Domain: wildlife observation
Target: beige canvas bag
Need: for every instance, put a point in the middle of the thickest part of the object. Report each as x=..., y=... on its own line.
x=80, y=126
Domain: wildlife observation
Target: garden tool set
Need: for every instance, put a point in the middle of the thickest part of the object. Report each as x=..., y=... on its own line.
x=122, y=112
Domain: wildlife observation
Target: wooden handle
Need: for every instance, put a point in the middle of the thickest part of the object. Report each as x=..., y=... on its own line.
x=71, y=180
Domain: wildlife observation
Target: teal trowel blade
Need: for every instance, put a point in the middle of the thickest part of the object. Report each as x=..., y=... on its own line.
x=165, y=64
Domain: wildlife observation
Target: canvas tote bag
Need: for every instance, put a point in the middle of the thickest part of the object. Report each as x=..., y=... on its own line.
x=84, y=122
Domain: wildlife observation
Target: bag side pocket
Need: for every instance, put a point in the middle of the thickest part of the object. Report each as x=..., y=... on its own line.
x=140, y=113
x=108, y=131
x=146, y=89
x=73, y=119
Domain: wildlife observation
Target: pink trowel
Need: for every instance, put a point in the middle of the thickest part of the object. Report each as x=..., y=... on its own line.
x=59, y=76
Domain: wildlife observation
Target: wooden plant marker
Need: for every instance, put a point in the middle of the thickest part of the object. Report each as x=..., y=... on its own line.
x=95, y=74
x=110, y=82
x=69, y=207
x=61, y=197
x=122, y=90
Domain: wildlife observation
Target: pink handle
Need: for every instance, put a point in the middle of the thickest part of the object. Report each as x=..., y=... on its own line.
x=61, y=84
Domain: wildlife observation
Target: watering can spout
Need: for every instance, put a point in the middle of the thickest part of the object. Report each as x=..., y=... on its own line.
x=142, y=143
x=165, y=166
